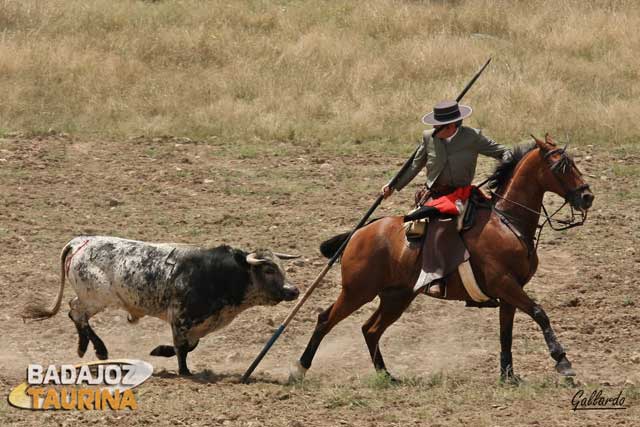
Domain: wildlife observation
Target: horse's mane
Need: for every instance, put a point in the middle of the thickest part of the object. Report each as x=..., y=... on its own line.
x=504, y=171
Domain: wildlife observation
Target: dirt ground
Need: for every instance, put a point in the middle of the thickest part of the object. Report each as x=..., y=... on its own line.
x=290, y=197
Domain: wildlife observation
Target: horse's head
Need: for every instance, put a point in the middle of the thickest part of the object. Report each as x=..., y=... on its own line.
x=562, y=176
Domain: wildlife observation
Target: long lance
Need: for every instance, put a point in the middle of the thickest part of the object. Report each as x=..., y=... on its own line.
x=336, y=256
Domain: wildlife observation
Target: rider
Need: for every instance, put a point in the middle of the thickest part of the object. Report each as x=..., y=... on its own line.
x=450, y=159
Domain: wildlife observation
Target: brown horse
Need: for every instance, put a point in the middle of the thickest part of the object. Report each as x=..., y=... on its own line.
x=379, y=262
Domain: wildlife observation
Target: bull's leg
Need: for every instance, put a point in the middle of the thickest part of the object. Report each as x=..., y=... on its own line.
x=507, y=312
x=513, y=294
x=101, y=350
x=83, y=339
x=393, y=302
x=169, y=350
x=182, y=345
x=80, y=315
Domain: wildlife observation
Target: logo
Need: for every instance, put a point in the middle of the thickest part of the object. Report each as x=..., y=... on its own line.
x=105, y=384
x=596, y=400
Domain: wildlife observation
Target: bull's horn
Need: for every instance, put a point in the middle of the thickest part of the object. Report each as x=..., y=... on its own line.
x=253, y=260
x=285, y=256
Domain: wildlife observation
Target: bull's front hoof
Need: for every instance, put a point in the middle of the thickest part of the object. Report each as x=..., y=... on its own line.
x=102, y=356
x=296, y=372
x=163, y=351
x=185, y=373
x=563, y=367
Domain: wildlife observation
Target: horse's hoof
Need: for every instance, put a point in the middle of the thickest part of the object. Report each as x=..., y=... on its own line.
x=571, y=382
x=185, y=372
x=102, y=356
x=387, y=375
x=511, y=379
x=563, y=367
x=393, y=380
x=296, y=372
x=81, y=352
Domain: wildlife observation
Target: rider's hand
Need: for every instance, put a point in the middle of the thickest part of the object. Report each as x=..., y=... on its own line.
x=386, y=191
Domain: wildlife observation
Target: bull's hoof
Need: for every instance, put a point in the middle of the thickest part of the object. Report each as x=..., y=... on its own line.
x=296, y=372
x=163, y=351
x=102, y=356
x=185, y=372
x=563, y=367
x=81, y=351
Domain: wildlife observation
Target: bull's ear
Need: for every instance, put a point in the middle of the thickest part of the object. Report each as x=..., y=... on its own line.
x=285, y=256
x=253, y=259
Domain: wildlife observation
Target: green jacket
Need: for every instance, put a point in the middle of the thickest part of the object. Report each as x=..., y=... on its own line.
x=453, y=163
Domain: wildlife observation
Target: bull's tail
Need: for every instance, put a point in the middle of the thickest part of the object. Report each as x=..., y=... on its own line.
x=35, y=310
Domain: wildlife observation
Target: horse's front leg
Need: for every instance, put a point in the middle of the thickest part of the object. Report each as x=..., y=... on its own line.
x=513, y=294
x=507, y=312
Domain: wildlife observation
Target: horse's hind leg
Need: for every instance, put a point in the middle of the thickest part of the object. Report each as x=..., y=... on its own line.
x=513, y=294
x=393, y=302
x=339, y=310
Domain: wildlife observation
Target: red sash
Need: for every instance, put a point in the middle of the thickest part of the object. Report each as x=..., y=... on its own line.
x=447, y=203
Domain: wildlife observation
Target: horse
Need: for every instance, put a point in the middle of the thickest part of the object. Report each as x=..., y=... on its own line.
x=377, y=261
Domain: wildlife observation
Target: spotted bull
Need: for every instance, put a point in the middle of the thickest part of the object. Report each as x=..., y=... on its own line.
x=195, y=290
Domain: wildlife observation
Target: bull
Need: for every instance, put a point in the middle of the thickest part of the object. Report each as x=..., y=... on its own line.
x=196, y=290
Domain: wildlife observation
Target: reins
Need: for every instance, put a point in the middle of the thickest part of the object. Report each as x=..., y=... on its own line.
x=563, y=224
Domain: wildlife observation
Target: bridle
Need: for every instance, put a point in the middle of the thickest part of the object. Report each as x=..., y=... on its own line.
x=558, y=167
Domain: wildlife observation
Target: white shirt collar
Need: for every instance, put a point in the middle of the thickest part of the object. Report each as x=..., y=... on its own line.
x=452, y=136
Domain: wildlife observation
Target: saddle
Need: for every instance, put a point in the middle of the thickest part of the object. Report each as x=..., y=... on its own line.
x=452, y=254
x=416, y=230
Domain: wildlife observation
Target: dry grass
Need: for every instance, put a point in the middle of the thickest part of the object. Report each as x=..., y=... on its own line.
x=317, y=71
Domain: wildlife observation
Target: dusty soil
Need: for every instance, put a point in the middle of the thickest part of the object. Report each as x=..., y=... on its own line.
x=290, y=197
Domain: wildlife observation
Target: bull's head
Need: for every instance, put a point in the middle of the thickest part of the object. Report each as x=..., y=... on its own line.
x=269, y=276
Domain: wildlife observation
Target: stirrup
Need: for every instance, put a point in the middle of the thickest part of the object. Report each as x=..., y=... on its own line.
x=439, y=293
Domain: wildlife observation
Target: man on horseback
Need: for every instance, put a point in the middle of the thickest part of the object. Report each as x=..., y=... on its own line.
x=450, y=159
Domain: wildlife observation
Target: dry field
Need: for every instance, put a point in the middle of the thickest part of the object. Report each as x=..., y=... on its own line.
x=288, y=117
x=310, y=71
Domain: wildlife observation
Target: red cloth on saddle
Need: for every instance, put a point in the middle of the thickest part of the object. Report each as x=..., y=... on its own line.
x=447, y=203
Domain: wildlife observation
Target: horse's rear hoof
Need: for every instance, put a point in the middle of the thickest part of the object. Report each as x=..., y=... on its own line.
x=296, y=372
x=563, y=367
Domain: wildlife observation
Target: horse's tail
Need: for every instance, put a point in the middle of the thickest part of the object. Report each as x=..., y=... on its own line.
x=35, y=310
x=328, y=248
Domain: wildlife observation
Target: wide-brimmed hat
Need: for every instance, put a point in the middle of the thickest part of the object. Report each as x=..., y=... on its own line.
x=446, y=112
